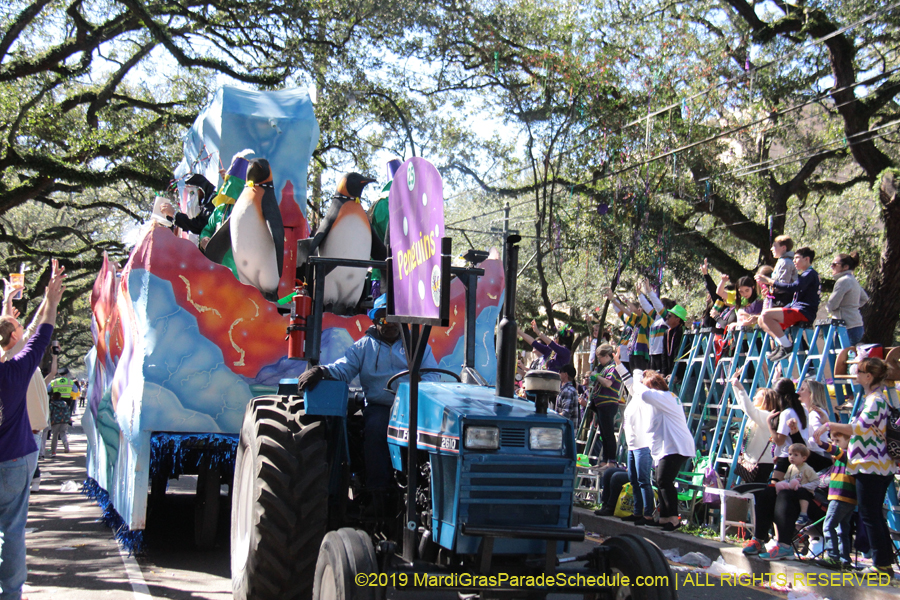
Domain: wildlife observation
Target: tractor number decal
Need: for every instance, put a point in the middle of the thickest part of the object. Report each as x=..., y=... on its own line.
x=448, y=443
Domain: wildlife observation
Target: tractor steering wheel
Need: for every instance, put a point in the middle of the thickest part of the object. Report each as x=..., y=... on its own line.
x=388, y=388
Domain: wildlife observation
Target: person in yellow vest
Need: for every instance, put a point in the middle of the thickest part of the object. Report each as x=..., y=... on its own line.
x=63, y=385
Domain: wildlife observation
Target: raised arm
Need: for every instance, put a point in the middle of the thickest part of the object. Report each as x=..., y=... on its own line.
x=46, y=314
x=617, y=306
x=623, y=372
x=654, y=299
x=757, y=415
x=540, y=335
x=720, y=289
x=528, y=339
x=8, y=293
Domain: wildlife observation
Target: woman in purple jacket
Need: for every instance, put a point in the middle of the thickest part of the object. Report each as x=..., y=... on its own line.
x=557, y=353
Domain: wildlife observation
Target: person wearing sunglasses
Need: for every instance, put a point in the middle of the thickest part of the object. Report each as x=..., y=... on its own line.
x=869, y=460
x=848, y=296
x=374, y=358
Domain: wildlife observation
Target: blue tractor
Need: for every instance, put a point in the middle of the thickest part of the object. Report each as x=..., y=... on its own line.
x=482, y=502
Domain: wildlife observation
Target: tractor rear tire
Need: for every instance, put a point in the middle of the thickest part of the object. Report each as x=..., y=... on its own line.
x=280, y=501
x=634, y=557
x=344, y=554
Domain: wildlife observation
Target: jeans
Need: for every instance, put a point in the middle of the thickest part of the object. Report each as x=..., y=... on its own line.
x=379, y=471
x=639, y=464
x=15, y=490
x=58, y=432
x=855, y=334
x=37, y=469
x=870, y=493
x=838, y=515
x=666, y=471
x=606, y=418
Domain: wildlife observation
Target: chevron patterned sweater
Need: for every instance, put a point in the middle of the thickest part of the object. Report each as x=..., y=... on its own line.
x=868, y=450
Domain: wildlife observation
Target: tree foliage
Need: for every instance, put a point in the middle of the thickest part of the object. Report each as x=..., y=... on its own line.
x=631, y=139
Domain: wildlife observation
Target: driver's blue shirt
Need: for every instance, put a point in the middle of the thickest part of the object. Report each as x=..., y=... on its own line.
x=376, y=361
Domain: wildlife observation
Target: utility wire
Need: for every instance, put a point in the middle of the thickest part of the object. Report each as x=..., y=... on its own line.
x=704, y=92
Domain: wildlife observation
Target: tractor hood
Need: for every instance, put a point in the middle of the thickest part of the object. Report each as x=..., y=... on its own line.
x=445, y=409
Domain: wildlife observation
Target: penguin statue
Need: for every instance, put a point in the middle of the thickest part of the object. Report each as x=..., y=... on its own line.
x=254, y=233
x=345, y=232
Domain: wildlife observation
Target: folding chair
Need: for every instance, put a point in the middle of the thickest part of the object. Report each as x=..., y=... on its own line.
x=689, y=485
x=801, y=541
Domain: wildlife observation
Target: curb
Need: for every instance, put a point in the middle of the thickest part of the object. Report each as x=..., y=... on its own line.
x=792, y=570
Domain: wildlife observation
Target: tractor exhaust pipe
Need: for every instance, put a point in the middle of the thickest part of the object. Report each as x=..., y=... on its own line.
x=507, y=331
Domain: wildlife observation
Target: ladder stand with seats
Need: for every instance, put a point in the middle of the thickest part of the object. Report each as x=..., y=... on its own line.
x=700, y=366
x=725, y=448
x=680, y=365
x=828, y=339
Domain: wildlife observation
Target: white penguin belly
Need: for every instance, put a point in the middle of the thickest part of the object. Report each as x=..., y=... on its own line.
x=350, y=237
x=253, y=248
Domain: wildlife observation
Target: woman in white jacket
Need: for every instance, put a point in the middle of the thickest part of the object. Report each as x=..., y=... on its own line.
x=671, y=441
x=756, y=461
x=636, y=422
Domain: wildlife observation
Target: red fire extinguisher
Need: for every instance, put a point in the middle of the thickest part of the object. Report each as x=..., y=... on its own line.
x=296, y=336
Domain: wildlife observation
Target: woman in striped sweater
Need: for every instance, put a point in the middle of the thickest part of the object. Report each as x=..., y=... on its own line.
x=869, y=460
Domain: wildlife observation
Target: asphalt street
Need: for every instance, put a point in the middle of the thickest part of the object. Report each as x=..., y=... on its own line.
x=72, y=555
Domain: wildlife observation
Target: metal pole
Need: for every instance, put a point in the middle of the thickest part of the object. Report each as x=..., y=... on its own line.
x=505, y=233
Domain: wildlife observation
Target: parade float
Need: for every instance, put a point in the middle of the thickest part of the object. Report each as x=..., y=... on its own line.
x=181, y=346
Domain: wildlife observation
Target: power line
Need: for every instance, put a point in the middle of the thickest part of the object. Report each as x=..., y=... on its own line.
x=704, y=92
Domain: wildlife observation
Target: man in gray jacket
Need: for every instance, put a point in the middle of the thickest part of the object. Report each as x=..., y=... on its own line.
x=375, y=358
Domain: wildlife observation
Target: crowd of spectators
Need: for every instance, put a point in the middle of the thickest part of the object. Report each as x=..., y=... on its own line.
x=800, y=466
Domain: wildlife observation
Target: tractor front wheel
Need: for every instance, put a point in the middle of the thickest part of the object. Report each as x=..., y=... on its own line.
x=633, y=556
x=280, y=501
x=344, y=555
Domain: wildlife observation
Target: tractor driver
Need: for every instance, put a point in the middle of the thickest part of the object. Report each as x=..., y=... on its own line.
x=375, y=358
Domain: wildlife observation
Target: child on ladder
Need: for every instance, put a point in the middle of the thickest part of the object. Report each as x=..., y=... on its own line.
x=802, y=309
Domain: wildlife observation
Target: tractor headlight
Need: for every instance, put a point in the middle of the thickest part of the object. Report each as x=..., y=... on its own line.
x=482, y=438
x=546, y=438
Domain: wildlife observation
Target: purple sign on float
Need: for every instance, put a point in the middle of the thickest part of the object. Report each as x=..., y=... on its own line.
x=417, y=226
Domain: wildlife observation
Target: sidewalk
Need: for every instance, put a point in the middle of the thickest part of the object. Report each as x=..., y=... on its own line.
x=71, y=552
x=732, y=555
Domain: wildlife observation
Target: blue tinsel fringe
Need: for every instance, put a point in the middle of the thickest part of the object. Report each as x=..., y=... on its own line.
x=133, y=541
x=168, y=451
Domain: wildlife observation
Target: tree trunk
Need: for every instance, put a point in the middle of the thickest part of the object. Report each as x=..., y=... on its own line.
x=884, y=305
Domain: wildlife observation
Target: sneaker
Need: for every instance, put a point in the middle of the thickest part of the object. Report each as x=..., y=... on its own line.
x=604, y=512
x=802, y=521
x=778, y=553
x=36, y=484
x=753, y=547
x=888, y=570
x=846, y=565
x=780, y=352
x=830, y=563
